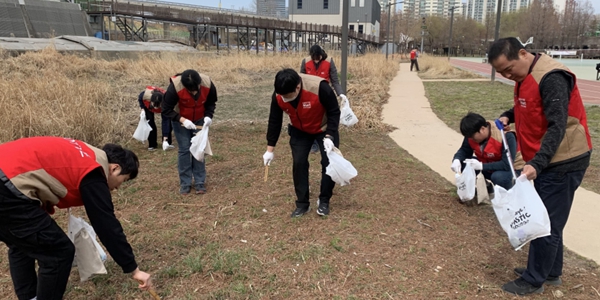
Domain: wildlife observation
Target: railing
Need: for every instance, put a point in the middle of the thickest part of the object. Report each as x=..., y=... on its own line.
x=192, y=14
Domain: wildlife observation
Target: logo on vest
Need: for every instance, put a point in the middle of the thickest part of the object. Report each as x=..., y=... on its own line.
x=523, y=102
x=491, y=155
x=78, y=147
x=306, y=105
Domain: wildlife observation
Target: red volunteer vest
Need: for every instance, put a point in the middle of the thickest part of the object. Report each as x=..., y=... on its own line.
x=413, y=54
x=494, y=149
x=187, y=107
x=148, y=95
x=309, y=116
x=531, y=124
x=49, y=169
x=322, y=71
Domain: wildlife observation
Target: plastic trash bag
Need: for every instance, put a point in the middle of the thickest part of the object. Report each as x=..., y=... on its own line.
x=521, y=212
x=339, y=169
x=347, y=116
x=142, y=132
x=465, y=183
x=89, y=255
x=200, y=144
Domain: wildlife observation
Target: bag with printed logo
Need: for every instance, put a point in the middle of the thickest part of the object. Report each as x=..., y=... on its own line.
x=521, y=212
x=347, y=116
x=465, y=183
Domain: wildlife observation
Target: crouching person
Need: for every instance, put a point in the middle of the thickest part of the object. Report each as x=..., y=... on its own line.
x=40, y=173
x=484, y=140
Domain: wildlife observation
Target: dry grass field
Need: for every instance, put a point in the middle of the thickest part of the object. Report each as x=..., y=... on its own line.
x=397, y=232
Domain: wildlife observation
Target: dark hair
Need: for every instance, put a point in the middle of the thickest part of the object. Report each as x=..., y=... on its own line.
x=190, y=79
x=508, y=47
x=471, y=124
x=156, y=98
x=317, y=53
x=125, y=158
x=286, y=81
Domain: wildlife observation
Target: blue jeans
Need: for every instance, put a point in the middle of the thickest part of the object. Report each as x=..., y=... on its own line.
x=188, y=167
x=557, y=191
x=501, y=178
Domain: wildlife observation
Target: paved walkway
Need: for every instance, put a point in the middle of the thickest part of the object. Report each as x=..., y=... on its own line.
x=427, y=138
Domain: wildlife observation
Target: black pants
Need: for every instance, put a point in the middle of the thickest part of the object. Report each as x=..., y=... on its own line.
x=414, y=62
x=301, y=142
x=557, y=191
x=32, y=235
x=165, y=126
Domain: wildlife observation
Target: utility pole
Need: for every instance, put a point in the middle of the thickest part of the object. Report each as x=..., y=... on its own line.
x=345, y=9
x=423, y=27
x=387, y=48
x=451, y=23
x=496, y=33
x=394, y=39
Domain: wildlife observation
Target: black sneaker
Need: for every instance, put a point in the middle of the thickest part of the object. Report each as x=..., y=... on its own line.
x=323, y=209
x=521, y=287
x=551, y=280
x=300, y=211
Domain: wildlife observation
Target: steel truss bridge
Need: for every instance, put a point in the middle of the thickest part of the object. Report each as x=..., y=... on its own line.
x=130, y=20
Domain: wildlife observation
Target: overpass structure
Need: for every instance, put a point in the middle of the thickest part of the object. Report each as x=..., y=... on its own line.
x=199, y=26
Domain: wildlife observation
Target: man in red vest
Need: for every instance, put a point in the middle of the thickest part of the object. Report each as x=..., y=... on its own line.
x=43, y=173
x=314, y=113
x=414, y=55
x=319, y=64
x=190, y=100
x=484, y=140
x=150, y=101
x=554, y=139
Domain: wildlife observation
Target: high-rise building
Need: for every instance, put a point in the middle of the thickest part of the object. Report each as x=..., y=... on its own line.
x=271, y=8
x=479, y=10
x=418, y=8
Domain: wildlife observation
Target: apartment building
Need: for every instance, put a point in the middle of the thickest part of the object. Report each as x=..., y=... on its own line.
x=363, y=15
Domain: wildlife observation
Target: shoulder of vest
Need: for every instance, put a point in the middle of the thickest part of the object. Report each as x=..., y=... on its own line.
x=329, y=60
x=101, y=158
x=544, y=65
x=311, y=83
x=177, y=83
x=205, y=81
x=495, y=132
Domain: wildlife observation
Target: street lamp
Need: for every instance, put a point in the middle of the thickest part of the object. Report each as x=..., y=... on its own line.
x=451, y=23
x=387, y=48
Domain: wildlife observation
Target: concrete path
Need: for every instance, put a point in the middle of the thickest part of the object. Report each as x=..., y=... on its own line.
x=423, y=135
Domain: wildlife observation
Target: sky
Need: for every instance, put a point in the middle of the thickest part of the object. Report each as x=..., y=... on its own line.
x=238, y=4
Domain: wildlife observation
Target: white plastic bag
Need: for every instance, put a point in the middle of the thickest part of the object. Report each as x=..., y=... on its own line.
x=339, y=169
x=521, y=212
x=200, y=144
x=465, y=183
x=143, y=130
x=89, y=256
x=347, y=116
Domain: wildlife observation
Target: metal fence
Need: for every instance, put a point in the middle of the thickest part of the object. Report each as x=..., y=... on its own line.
x=11, y=19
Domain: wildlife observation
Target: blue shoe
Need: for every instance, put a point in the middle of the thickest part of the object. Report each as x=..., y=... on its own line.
x=314, y=149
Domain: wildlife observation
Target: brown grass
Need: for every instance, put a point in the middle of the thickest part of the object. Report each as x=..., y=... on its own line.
x=48, y=93
x=395, y=233
x=435, y=67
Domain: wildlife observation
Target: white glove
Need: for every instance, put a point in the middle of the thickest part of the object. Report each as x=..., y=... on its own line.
x=207, y=121
x=268, y=157
x=456, y=166
x=477, y=165
x=165, y=145
x=328, y=144
x=143, y=114
x=189, y=124
x=344, y=98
